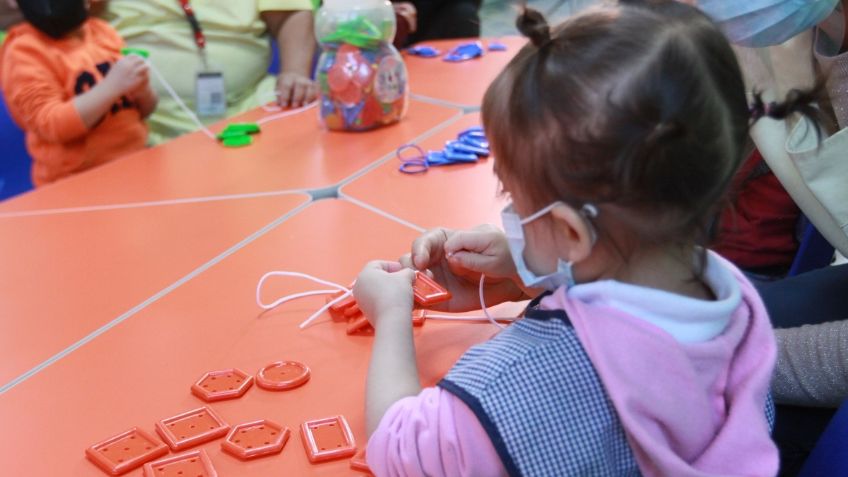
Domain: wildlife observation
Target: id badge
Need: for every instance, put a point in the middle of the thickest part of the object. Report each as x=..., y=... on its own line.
x=211, y=94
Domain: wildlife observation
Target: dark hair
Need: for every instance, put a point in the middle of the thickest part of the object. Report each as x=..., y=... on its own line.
x=638, y=107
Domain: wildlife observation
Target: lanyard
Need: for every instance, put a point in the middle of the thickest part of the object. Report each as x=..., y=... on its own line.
x=199, y=38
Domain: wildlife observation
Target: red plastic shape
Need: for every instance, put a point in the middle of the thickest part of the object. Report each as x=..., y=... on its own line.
x=195, y=463
x=256, y=439
x=220, y=385
x=327, y=439
x=419, y=317
x=427, y=292
x=282, y=376
x=358, y=324
x=359, y=464
x=191, y=428
x=126, y=451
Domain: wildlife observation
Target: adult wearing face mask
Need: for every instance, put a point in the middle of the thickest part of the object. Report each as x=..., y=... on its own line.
x=783, y=44
x=216, y=53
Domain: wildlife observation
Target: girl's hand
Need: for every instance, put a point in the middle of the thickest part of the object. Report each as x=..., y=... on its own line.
x=456, y=260
x=384, y=289
x=128, y=74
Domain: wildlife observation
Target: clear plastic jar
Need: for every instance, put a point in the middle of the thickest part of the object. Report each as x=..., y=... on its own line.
x=361, y=75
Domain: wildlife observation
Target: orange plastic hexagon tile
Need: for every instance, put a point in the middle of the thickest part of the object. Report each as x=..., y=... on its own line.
x=191, y=428
x=195, y=463
x=282, y=376
x=219, y=385
x=124, y=452
x=256, y=439
x=327, y=439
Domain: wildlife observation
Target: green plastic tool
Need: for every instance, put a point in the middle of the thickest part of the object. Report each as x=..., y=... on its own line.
x=359, y=32
x=135, y=51
x=238, y=141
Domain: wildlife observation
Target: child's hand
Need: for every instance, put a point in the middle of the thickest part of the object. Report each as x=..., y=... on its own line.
x=458, y=258
x=384, y=289
x=127, y=75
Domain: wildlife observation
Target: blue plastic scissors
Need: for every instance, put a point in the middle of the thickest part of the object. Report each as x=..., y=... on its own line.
x=412, y=164
x=464, y=52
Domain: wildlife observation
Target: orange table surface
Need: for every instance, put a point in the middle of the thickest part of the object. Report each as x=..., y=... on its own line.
x=290, y=153
x=464, y=83
x=64, y=276
x=455, y=196
x=141, y=371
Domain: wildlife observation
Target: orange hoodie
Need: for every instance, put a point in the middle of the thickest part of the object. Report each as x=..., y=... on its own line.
x=40, y=77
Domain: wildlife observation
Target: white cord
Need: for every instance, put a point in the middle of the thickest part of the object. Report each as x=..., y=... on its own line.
x=464, y=318
x=179, y=101
x=296, y=296
x=483, y=305
x=290, y=112
x=324, y=308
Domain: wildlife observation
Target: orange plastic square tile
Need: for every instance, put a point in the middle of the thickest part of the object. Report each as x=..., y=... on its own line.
x=126, y=451
x=256, y=439
x=220, y=385
x=282, y=376
x=191, y=428
x=359, y=464
x=427, y=292
x=327, y=439
x=191, y=464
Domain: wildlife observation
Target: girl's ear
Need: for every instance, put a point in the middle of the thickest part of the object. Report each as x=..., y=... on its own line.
x=574, y=230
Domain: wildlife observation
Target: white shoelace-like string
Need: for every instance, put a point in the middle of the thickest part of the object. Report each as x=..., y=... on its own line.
x=202, y=127
x=347, y=292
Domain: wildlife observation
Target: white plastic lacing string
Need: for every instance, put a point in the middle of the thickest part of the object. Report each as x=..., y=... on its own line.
x=348, y=292
x=202, y=127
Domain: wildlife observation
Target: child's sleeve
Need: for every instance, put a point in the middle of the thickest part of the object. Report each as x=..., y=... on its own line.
x=35, y=95
x=432, y=434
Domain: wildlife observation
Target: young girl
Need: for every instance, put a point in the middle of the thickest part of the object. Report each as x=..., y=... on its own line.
x=616, y=135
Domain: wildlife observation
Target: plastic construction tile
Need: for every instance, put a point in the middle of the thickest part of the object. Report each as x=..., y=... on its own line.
x=256, y=439
x=292, y=153
x=220, y=385
x=195, y=463
x=457, y=196
x=327, y=439
x=191, y=428
x=427, y=291
x=142, y=369
x=359, y=464
x=282, y=376
x=126, y=451
x=64, y=276
x=468, y=80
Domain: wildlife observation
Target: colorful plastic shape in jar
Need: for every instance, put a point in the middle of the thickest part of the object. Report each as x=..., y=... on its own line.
x=362, y=77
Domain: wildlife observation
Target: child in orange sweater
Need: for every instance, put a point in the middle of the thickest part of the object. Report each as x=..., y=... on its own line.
x=66, y=84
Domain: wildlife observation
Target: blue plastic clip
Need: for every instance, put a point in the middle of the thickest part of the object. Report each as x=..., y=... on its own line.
x=424, y=51
x=465, y=52
x=496, y=46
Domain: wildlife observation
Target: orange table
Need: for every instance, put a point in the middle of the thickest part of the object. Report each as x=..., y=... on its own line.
x=141, y=371
x=462, y=84
x=66, y=275
x=292, y=153
x=455, y=196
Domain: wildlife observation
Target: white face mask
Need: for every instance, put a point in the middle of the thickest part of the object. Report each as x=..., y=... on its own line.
x=514, y=229
x=759, y=23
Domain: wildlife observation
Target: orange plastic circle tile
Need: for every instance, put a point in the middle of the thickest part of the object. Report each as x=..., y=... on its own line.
x=282, y=376
x=359, y=464
x=219, y=385
x=191, y=464
x=427, y=292
x=327, y=439
x=191, y=428
x=256, y=439
x=126, y=451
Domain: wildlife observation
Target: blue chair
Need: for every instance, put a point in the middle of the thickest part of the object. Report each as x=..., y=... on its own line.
x=830, y=455
x=813, y=252
x=15, y=164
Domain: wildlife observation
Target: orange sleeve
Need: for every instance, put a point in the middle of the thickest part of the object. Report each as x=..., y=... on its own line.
x=35, y=96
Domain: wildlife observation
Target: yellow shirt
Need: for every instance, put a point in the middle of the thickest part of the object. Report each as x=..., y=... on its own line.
x=237, y=44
